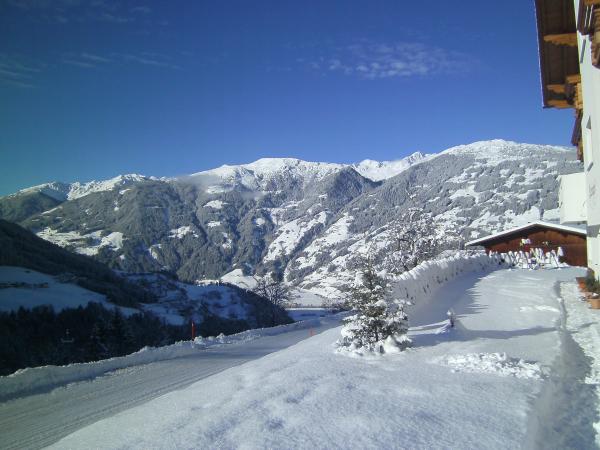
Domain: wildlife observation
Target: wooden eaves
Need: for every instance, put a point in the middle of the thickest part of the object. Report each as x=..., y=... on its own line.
x=559, y=60
x=557, y=41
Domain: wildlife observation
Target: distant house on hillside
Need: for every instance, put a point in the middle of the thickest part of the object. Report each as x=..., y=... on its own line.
x=544, y=235
x=569, y=50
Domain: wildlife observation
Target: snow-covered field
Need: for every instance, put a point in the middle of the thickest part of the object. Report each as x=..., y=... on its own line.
x=33, y=289
x=483, y=384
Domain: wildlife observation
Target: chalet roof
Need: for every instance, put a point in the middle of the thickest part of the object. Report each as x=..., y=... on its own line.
x=538, y=223
x=557, y=46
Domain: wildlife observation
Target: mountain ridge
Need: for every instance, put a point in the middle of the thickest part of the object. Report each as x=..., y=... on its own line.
x=307, y=221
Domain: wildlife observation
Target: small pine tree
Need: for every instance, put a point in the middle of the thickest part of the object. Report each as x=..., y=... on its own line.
x=378, y=325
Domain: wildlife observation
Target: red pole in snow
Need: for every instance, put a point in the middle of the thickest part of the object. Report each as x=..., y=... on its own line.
x=193, y=331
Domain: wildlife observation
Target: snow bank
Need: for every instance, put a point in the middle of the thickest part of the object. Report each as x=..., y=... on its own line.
x=582, y=322
x=31, y=380
x=493, y=363
x=419, y=284
x=250, y=335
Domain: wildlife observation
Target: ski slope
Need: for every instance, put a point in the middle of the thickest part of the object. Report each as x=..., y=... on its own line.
x=38, y=420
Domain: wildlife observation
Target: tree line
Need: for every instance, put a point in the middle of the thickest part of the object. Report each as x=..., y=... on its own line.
x=42, y=336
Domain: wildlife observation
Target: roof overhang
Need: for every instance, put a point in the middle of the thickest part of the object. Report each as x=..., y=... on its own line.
x=557, y=46
x=539, y=223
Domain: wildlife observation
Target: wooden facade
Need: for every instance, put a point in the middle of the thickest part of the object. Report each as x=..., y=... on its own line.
x=542, y=236
x=559, y=60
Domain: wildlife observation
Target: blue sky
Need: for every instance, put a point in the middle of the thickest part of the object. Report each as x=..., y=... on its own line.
x=93, y=89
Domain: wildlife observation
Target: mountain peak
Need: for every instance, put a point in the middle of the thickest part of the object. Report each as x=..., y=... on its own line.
x=382, y=170
x=70, y=191
x=498, y=150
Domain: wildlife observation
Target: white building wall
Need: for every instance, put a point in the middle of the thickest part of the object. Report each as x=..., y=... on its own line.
x=572, y=198
x=590, y=130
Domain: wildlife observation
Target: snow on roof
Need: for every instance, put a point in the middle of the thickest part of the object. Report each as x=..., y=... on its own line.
x=556, y=226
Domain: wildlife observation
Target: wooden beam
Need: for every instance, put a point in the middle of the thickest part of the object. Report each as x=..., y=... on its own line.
x=573, y=79
x=556, y=88
x=569, y=39
x=591, y=2
x=578, y=97
x=559, y=104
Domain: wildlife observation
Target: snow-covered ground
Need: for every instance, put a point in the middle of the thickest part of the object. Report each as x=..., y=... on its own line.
x=39, y=406
x=483, y=384
x=300, y=314
x=29, y=289
x=583, y=326
x=86, y=244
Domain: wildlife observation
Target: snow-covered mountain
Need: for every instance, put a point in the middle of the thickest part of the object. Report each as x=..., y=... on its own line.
x=64, y=191
x=306, y=220
x=265, y=174
x=382, y=170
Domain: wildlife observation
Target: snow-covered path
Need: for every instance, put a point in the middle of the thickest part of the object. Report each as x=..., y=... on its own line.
x=475, y=387
x=39, y=420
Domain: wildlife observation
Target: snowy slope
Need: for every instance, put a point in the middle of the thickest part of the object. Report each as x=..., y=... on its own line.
x=178, y=303
x=479, y=386
x=20, y=287
x=262, y=174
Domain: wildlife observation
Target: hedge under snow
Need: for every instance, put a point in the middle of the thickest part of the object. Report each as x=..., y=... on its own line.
x=419, y=284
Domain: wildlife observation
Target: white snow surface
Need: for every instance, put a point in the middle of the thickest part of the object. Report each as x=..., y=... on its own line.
x=382, y=170
x=290, y=234
x=36, y=378
x=494, y=363
x=63, y=191
x=179, y=233
x=215, y=204
x=237, y=278
x=33, y=289
x=41, y=289
x=39, y=406
x=256, y=175
x=496, y=150
x=85, y=244
x=477, y=385
x=584, y=325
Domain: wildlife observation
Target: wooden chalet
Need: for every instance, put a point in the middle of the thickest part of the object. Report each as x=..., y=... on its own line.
x=544, y=235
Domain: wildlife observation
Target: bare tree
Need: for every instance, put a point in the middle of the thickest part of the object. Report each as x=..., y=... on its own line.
x=273, y=289
x=413, y=241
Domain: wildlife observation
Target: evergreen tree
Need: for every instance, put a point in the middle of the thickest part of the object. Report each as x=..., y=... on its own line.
x=379, y=324
x=120, y=334
x=96, y=347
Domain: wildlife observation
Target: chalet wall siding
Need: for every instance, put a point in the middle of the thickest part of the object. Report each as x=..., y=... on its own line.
x=573, y=245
